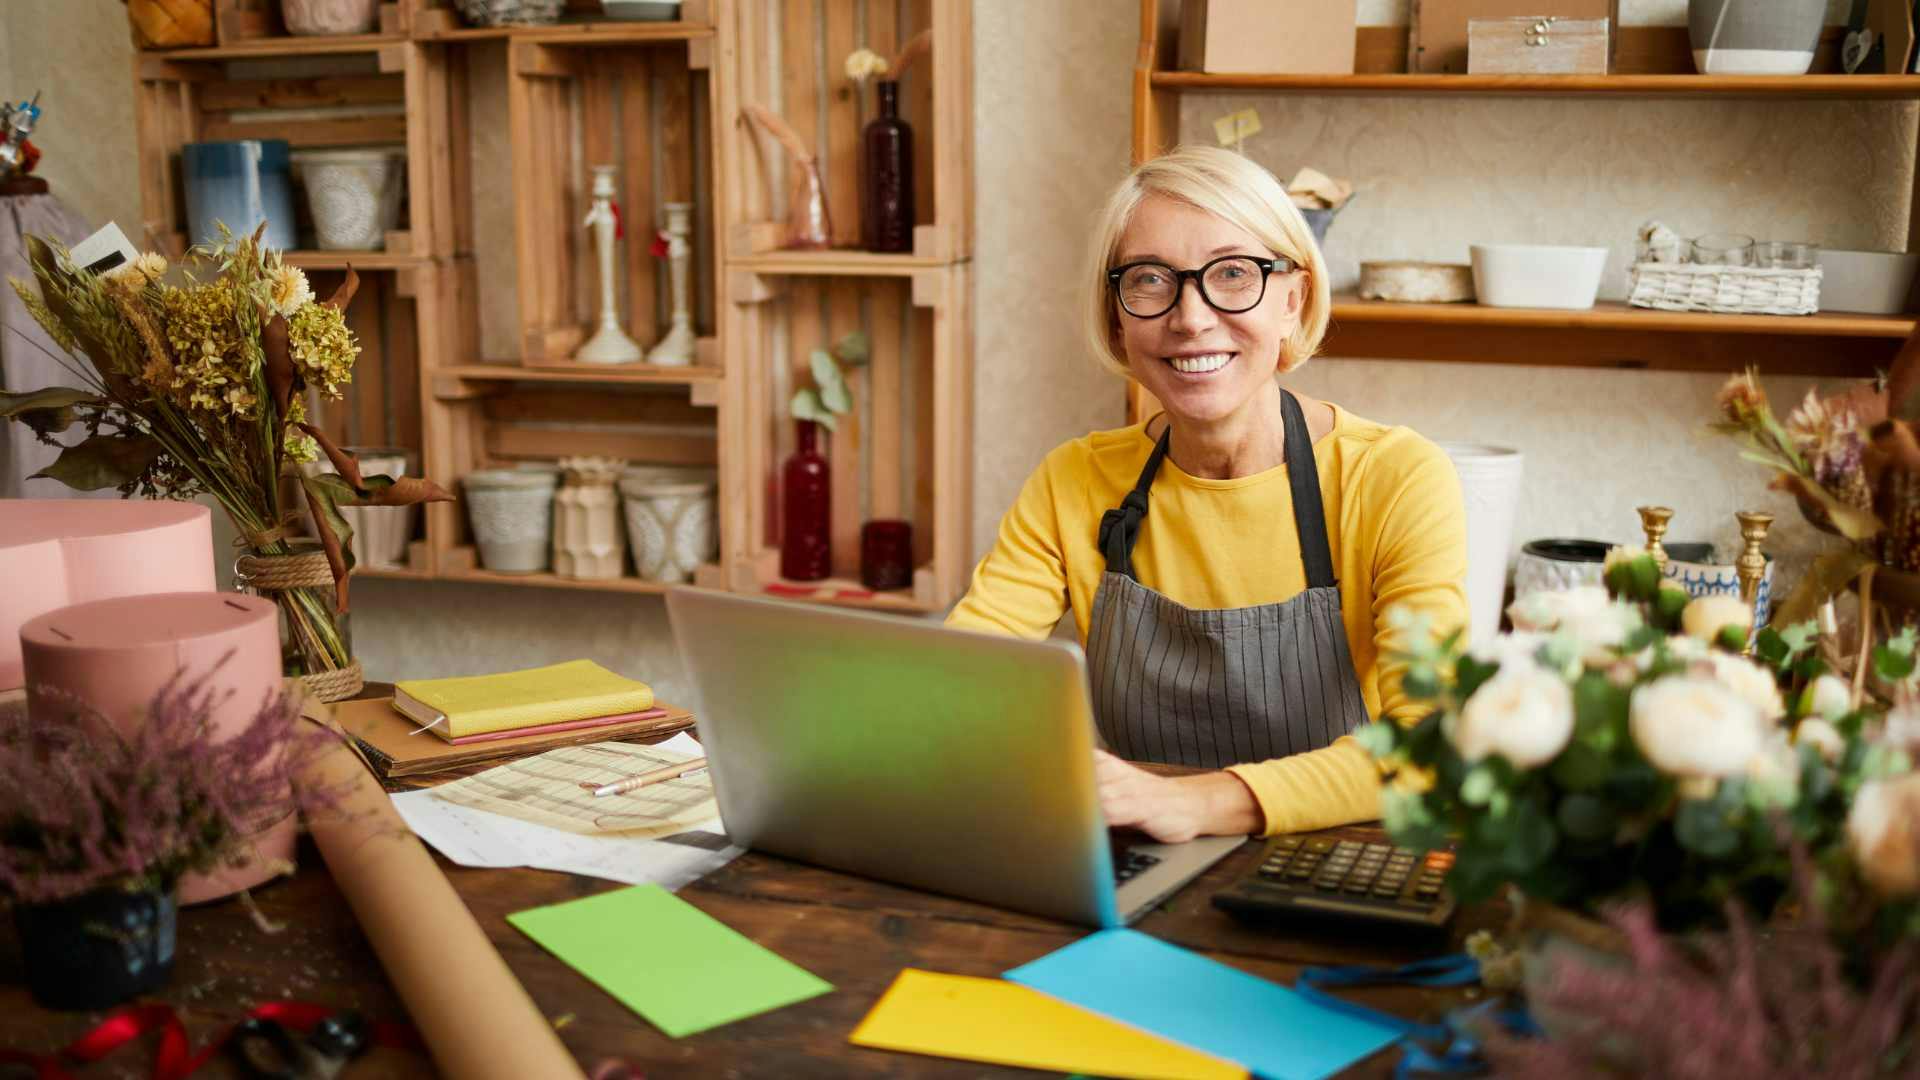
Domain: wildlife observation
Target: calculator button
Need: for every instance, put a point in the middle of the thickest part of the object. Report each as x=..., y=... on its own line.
x=1287, y=843
x=1385, y=891
x=1320, y=845
x=1377, y=849
x=1326, y=883
x=1300, y=873
x=1347, y=845
x=1406, y=852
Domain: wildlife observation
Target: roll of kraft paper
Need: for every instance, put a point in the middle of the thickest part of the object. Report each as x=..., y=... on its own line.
x=476, y=1019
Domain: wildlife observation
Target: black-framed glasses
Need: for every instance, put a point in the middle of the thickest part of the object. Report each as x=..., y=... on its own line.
x=1229, y=284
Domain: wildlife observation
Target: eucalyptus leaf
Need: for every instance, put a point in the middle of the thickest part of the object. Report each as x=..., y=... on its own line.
x=1702, y=827
x=806, y=406
x=103, y=461
x=1531, y=842
x=1585, y=817
x=1581, y=767
x=853, y=349
x=1478, y=788
x=1377, y=738
x=832, y=384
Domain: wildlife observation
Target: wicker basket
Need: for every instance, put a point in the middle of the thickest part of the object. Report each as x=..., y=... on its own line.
x=1741, y=290
x=507, y=12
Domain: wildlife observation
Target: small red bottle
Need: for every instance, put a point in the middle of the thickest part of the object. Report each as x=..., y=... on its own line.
x=806, y=545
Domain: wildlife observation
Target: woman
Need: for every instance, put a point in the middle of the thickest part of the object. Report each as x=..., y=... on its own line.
x=1231, y=562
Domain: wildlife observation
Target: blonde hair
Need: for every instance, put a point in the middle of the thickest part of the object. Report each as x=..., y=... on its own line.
x=1229, y=187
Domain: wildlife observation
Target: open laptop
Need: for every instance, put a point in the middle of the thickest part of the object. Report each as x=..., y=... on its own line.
x=951, y=761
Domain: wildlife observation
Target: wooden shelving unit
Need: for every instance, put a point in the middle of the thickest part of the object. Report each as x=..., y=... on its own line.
x=1652, y=62
x=661, y=101
x=904, y=450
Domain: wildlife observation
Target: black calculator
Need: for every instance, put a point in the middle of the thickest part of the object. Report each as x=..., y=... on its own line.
x=1320, y=877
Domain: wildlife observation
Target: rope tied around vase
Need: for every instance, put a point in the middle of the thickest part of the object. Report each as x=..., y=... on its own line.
x=304, y=570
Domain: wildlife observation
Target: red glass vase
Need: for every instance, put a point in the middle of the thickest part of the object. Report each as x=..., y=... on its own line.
x=886, y=177
x=806, y=539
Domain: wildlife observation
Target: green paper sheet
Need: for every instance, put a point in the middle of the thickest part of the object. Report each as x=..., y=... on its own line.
x=667, y=960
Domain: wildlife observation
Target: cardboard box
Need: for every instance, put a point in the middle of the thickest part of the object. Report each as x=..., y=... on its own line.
x=1284, y=37
x=1542, y=46
x=1437, y=41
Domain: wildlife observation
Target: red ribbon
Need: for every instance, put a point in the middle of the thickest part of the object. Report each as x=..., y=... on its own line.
x=172, y=1061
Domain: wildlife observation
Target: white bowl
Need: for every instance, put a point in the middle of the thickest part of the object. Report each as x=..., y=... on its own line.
x=1537, y=275
x=1875, y=282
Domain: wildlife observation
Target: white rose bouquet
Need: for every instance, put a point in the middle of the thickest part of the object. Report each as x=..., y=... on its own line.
x=1618, y=744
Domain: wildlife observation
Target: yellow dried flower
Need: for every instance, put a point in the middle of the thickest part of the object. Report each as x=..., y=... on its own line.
x=322, y=346
x=36, y=307
x=288, y=290
x=241, y=402
x=297, y=444
x=863, y=64
x=146, y=269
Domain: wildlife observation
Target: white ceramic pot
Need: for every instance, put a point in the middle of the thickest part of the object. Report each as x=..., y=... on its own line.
x=354, y=195
x=670, y=522
x=512, y=515
x=1754, y=37
x=316, y=17
x=1722, y=579
x=1537, y=275
x=1490, y=487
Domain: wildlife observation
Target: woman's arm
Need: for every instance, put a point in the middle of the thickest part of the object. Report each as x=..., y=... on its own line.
x=1020, y=588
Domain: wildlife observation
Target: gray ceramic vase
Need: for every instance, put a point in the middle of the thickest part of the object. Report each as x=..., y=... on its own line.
x=1754, y=37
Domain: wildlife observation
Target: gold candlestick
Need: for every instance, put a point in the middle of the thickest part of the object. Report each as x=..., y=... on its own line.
x=1653, y=521
x=1752, y=563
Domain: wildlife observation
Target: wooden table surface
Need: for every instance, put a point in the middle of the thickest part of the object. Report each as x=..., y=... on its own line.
x=856, y=934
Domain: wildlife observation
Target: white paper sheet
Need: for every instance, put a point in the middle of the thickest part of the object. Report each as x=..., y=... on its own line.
x=472, y=837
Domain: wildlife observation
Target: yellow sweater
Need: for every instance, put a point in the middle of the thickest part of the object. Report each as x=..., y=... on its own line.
x=1394, y=520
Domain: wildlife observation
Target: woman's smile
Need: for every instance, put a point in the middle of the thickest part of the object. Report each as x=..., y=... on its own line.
x=1200, y=364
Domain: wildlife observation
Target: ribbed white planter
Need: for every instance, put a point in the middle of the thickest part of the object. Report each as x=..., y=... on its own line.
x=354, y=195
x=1490, y=479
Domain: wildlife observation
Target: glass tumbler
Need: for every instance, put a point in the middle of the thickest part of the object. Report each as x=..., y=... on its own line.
x=1783, y=254
x=1723, y=249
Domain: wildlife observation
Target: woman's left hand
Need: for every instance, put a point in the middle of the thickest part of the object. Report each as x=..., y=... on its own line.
x=1172, y=809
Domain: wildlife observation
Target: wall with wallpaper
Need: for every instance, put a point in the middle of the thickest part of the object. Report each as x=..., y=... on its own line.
x=1052, y=117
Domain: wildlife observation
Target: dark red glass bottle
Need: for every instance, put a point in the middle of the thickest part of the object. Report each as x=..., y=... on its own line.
x=806, y=541
x=886, y=179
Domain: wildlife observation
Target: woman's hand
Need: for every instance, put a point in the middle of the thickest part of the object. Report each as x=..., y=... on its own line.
x=1174, y=809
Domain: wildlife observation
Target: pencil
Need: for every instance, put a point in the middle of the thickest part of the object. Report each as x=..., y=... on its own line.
x=669, y=772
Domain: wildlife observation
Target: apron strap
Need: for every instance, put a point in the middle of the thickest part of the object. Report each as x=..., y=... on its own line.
x=1120, y=527
x=1309, y=514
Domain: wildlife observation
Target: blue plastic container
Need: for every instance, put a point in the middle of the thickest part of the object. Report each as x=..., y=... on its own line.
x=242, y=184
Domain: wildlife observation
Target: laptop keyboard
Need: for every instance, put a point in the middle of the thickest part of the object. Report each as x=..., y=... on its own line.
x=1128, y=865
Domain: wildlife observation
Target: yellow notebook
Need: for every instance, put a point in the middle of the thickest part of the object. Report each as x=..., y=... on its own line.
x=557, y=694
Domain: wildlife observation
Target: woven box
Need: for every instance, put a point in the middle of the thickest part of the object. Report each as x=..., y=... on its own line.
x=1738, y=290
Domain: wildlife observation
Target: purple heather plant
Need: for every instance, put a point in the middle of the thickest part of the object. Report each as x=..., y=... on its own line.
x=1748, y=1003
x=85, y=806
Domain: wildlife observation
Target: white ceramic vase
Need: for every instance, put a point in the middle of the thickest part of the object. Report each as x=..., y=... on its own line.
x=512, y=515
x=1754, y=37
x=1490, y=479
x=670, y=520
x=330, y=17
x=354, y=195
x=588, y=540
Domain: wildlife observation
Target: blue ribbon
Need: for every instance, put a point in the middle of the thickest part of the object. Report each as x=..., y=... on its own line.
x=1449, y=1048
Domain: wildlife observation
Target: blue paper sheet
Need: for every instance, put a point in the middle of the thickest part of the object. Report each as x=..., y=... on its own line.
x=1208, y=1006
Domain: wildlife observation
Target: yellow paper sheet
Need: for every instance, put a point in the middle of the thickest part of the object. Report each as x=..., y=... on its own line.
x=555, y=789
x=958, y=1016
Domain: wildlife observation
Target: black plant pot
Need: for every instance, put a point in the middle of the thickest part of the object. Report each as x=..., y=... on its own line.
x=98, y=949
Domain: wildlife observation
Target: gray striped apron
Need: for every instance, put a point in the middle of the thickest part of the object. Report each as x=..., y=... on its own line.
x=1214, y=688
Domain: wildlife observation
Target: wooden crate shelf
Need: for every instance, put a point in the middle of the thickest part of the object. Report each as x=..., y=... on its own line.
x=616, y=98
x=662, y=101
x=1651, y=62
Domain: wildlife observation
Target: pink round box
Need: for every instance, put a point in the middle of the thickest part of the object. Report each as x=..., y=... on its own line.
x=115, y=654
x=56, y=552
